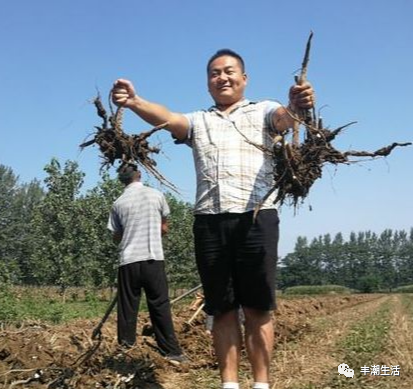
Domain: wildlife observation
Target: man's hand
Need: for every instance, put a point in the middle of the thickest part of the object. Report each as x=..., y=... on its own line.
x=302, y=96
x=117, y=236
x=164, y=226
x=123, y=93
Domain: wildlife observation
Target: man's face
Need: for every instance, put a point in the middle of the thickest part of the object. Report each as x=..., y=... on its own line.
x=226, y=80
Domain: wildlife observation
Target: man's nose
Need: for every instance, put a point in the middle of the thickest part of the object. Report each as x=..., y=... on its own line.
x=222, y=76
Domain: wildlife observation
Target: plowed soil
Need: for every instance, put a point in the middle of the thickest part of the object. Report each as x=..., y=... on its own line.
x=38, y=355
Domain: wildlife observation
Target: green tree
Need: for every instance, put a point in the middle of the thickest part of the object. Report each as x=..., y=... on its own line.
x=403, y=258
x=99, y=252
x=179, y=245
x=334, y=266
x=56, y=227
x=8, y=225
x=27, y=199
x=17, y=205
x=355, y=261
x=294, y=268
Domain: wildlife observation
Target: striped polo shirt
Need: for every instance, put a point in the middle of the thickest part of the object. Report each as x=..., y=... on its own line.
x=232, y=174
x=137, y=214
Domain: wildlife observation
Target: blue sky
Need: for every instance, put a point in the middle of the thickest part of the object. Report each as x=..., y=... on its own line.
x=57, y=54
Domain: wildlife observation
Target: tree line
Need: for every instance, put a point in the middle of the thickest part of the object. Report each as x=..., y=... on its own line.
x=53, y=234
x=366, y=262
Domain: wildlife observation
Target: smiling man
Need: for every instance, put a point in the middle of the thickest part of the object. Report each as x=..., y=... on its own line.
x=226, y=80
x=236, y=256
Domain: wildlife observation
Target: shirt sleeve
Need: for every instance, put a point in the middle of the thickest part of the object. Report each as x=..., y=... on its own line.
x=191, y=117
x=165, y=211
x=188, y=137
x=271, y=107
x=114, y=222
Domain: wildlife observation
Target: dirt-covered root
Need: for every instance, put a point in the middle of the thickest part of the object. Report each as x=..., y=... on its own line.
x=298, y=165
x=117, y=146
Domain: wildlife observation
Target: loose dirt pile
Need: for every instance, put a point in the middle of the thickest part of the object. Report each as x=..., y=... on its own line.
x=43, y=356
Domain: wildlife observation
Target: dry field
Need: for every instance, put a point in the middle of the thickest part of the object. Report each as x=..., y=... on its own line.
x=314, y=335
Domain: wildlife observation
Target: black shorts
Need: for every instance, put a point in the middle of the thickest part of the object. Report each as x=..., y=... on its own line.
x=237, y=259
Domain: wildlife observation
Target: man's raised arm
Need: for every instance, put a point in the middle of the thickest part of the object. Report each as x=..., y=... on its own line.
x=124, y=95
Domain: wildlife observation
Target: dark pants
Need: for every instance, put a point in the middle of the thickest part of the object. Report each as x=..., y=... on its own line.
x=149, y=275
x=237, y=259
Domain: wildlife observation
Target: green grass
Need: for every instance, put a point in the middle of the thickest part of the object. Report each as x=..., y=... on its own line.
x=317, y=289
x=21, y=304
x=404, y=289
x=407, y=302
x=18, y=307
x=362, y=346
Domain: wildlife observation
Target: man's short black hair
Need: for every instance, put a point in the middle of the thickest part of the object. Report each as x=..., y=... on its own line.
x=127, y=172
x=226, y=52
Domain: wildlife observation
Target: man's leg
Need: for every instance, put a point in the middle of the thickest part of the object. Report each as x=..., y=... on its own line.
x=156, y=289
x=259, y=340
x=129, y=294
x=214, y=257
x=255, y=288
x=227, y=343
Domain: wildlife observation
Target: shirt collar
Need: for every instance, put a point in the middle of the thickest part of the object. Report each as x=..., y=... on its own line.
x=240, y=104
x=134, y=184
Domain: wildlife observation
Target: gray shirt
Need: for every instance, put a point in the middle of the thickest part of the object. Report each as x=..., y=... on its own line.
x=137, y=214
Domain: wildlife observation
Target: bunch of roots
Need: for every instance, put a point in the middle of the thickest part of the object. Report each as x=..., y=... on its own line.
x=117, y=146
x=298, y=164
x=296, y=168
